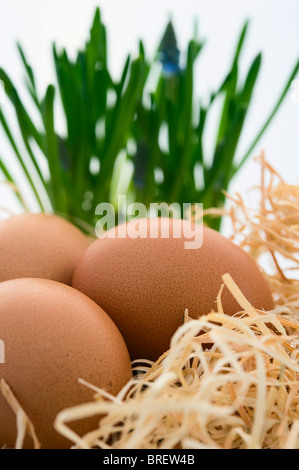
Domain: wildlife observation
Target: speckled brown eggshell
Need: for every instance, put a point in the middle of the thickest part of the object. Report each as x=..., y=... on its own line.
x=40, y=245
x=145, y=284
x=54, y=335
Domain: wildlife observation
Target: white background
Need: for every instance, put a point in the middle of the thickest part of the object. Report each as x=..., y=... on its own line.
x=274, y=30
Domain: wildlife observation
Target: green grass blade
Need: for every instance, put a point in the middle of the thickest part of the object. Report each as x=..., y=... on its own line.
x=95, y=58
x=269, y=119
x=250, y=81
x=241, y=42
x=68, y=97
x=230, y=84
x=5, y=171
x=57, y=188
x=185, y=117
x=28, y=68
x=26, y=125
x=120, y=86
x=20, y=159
x=98, y=39
x=125, y=108
x=221, y=170
x=10, y=179
x=31, y=85
x=20, y=109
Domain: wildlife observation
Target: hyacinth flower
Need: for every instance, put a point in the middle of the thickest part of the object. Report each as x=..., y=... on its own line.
x=169, y=53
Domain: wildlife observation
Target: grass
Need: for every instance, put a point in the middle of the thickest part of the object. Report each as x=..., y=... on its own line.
x=114, y=128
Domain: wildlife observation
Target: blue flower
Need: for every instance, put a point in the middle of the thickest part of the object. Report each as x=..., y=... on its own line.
x=169, y=53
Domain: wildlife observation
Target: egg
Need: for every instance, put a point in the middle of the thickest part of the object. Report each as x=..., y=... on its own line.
x=40, y=245
x=54, y=335
x=146, y=282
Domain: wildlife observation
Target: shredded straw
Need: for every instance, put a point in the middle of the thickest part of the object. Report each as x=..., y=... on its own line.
x=24, y=425
x=241, y=391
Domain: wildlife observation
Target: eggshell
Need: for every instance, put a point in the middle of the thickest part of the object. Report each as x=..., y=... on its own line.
x=54, y=335
x=40, y=245
x=145, y=284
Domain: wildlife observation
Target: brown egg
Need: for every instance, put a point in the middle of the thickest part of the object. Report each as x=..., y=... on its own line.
x=145, y=284
x=54, y=335
x=40, y=245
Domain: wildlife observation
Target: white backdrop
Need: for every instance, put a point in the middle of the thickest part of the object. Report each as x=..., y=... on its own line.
x=273, y=30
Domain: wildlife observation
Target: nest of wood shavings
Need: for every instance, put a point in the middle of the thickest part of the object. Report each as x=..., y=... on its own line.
x=243, y=391
x=270, y=232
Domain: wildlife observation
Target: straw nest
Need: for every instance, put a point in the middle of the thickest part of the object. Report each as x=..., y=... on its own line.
x=243, y=392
